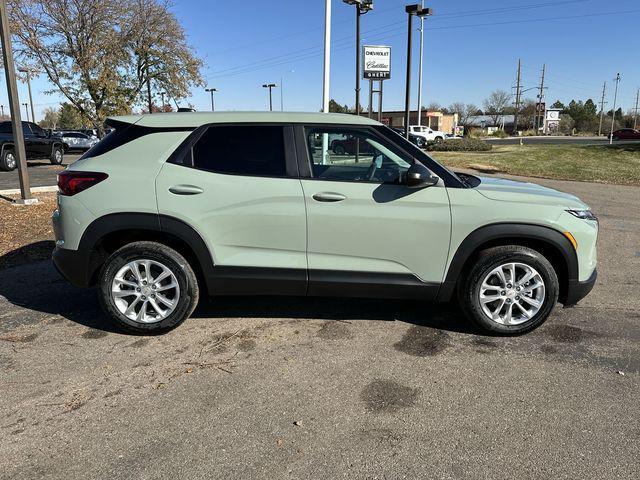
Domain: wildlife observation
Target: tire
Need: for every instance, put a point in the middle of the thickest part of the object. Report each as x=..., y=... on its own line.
x=470, y=290
x=144, y=295
x=8, y=160
x=57, y=155
x=339, y=149
x=438, y=140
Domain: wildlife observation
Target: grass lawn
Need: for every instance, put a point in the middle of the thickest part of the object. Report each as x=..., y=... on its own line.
x=619, y=164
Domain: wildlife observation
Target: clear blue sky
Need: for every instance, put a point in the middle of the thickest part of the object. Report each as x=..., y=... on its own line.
x=471, y=48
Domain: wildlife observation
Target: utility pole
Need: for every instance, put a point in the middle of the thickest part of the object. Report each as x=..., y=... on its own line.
x=420, y=66
x=14, y=106
x=2, y=109
x=515, y=113
x=613, y=116
x=212, y=91
x=635, y=111
x=270, y=86
x=539, y=112
x=327, y=56
x=602, y=102
x=27, y=72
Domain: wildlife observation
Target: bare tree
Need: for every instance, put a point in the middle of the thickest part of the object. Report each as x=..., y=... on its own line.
x=495, y=105
x=104, y=56
x=51, y=117
x=464, y=110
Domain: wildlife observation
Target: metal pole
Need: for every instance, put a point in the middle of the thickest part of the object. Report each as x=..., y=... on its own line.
x=635, y=112
x=162, y=100
x=420, y=67
x=613, y=116
x=213, y=105
x=380, y=102
x=270, y=100
x=407, y=97
x=357, y=59
x=26, y=111
x=149, y=89
x=370, y=97
x=14, y=105
x=604, y=89
x=327, y=56
x=2, y=109
x=536, y=122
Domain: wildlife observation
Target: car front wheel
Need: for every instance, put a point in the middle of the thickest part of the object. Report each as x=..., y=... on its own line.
x=147, y=287
x=510, y=290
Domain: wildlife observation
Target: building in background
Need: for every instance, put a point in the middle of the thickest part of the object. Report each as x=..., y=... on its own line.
x=443, y=122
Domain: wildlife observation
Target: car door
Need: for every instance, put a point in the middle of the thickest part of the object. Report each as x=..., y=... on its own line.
x=364, y=225
x=30, y=143
x=238, y=187
x=41, y=145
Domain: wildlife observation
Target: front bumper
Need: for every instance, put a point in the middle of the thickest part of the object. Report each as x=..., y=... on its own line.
x=576, y=290
x=72, y=265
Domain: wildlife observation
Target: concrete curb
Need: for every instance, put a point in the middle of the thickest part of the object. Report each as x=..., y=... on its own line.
x=16, y=191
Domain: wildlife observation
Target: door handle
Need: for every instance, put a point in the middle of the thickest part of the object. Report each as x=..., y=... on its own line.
x=185, y=190
x=329, y=197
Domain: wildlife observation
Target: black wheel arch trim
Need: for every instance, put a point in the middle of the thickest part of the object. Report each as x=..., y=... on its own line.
x=498, y=231
x=114, y=222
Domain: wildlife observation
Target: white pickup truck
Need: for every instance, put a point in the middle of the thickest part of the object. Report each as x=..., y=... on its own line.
x=427, y=133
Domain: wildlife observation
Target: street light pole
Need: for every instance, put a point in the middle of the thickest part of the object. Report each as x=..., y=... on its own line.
x=270, y=86
x=162, y=94
x=420, y=66
x=212, y=91
x=420, y=12
x=14, y=106
x=26, y=110
x=327, y=56
x=362, y=7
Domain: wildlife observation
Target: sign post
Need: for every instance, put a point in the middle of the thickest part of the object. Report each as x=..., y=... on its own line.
x=376, y=65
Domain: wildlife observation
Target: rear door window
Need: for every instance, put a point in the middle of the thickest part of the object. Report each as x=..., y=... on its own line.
x=242, y=150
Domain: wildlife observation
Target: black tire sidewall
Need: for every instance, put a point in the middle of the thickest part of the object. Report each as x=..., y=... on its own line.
x=339, y=150
x=469, y=293
x=151, y=251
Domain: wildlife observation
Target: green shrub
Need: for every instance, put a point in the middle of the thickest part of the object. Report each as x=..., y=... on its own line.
x=460, y=145
x=500, y=134
x=474, y=133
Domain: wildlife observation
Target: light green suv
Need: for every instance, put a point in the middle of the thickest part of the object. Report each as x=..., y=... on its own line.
x=171, y=205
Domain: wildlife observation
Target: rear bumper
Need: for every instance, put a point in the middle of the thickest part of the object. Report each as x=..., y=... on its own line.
x=72, y=265
x=576, y=290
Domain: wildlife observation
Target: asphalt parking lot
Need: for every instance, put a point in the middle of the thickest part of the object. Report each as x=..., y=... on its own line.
x=41, y=173
x=326, y=388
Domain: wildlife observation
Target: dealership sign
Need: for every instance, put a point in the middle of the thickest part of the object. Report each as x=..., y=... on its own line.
x=376, y=62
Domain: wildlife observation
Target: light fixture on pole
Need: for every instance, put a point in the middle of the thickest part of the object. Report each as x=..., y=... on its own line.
x=419, y=12
x=27, y=72
x=270, y=86
x=26, y=110
x=362, y=7
x=212, y=91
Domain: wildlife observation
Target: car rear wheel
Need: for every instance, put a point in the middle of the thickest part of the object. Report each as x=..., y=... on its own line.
x=510, y=290
x=8, y=160
x=57, y=155
x=147, y=287
x=439, y=140
x=339, y=150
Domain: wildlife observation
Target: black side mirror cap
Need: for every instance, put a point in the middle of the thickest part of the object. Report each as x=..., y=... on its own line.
x=419, y=176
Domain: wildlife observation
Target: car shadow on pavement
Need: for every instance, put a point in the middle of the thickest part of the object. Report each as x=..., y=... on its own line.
x=37, y=288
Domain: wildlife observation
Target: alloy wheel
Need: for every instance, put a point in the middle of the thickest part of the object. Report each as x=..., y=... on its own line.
x=512, y=293
x=10, y=160
x=145, y=291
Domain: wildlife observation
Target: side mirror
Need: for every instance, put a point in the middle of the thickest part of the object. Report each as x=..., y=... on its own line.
x=419, y=176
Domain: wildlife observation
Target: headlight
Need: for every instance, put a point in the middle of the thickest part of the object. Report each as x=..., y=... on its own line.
x=583, y=214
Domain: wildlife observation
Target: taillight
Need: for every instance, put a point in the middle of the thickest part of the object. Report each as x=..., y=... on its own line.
x=72, y=182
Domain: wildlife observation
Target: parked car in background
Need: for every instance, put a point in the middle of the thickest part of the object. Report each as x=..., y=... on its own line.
x=38, y=144
x=429, y=134
x=626, y=134
x=349, y=144
x=417, y=140
x=214, y=214
x=452, y=136
x=76, y=140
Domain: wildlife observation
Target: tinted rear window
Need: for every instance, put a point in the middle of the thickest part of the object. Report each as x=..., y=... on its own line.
x=242, y=150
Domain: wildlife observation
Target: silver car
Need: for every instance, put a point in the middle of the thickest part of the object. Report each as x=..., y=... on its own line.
x=78, y=140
